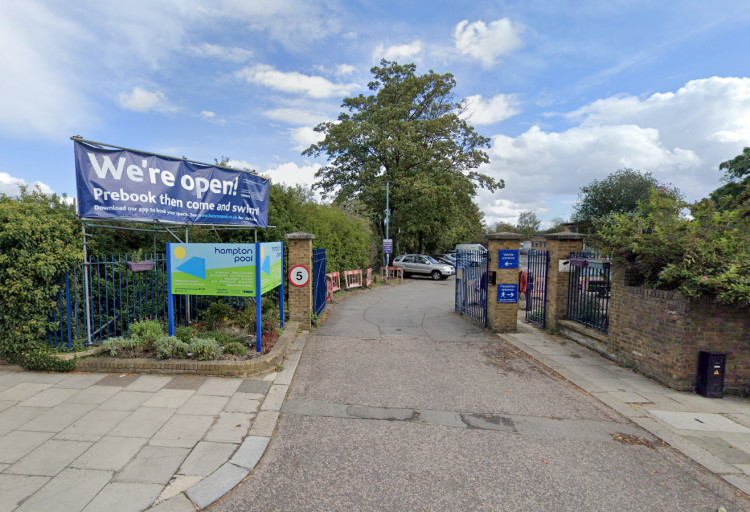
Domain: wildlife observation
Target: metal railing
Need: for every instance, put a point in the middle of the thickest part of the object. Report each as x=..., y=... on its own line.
x=119, y=296
x=589, y=287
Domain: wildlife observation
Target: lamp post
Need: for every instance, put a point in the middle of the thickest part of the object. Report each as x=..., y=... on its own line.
x=387, y=220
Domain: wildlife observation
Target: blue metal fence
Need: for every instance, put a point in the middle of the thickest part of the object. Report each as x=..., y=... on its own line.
x=536, y=288
x=472, y=284
x=319, y=281
x=589, y=287
x=119, y=296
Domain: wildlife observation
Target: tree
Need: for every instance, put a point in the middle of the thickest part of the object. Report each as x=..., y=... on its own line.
x=704, y=255
x=735, y=193
x=409, y=134
x=556, y=224
x=528, y=224
x=620, y=192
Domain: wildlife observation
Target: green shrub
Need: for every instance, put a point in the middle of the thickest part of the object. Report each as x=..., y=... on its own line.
x=171, y=347
x=205, y=348
x=235, y=348
x=216, y=315
x=184, y=333
x=40, y=239
x=112, y=346
x=223, y=338
x=148, y=331
x=704, y=255
x=125, y=347
x=42, y=361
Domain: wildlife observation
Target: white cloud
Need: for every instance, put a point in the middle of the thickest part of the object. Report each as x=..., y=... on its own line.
x=42, y=95
x=292, y=174
x=295, y=115
x=680, y=137
x=141, y=100
x=210, y=116
x=232, y=54
x=241, y=164
x=495, y=109
x=401, y=52
x=305, y=136
x=345, y=69
x=294, y=82
x=293, y=23
x=11, y=186
x=487, y=43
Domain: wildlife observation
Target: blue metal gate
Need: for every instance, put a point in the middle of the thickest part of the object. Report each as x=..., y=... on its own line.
x=536, y=288
x=589, y=287
x=319, y=281
x=472, y=284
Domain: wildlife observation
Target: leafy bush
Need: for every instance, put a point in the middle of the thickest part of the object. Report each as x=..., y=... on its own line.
x=235, y=348
x=125, y=347
x=205, y=348
x=707, y=255
x=40, y=238
x=171, y=347
x=41, y=360
x=148, y=331
x=184, y=333
x=216, y=315
x=223, y=338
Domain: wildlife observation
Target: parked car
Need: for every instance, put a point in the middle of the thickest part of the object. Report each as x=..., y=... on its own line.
x=445, y=258
x=423, y=264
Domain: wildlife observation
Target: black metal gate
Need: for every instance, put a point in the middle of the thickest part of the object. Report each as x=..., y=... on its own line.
x=472, y=284
x=536, y=288
x=319, y=281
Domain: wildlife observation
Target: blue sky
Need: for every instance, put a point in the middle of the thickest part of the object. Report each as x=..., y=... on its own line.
x=569, y=91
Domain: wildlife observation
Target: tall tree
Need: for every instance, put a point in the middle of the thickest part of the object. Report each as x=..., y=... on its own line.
x=407, y=133
x=620, y=192
x=735, y=193
x=528, y=223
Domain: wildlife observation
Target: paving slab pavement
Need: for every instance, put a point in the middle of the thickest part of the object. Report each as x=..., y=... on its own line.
x=715, y=433
x=129, y=442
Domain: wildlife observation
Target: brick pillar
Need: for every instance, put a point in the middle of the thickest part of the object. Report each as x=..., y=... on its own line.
x=502, y=317
x=301, y=298
x=559, y=245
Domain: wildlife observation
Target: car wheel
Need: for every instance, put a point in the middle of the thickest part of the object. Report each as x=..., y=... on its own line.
x=436, y=275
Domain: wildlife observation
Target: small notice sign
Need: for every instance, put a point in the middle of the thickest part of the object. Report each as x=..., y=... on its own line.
x=507, y=293
x=387, y=245
x=507, y=259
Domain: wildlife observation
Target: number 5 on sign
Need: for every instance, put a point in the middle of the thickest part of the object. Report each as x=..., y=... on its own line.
x=299, y=275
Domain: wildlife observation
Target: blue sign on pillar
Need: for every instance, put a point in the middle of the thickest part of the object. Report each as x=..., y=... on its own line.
x=507, y=293
x=507, y=259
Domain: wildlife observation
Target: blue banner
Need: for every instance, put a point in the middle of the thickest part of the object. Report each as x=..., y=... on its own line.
x=128, y=185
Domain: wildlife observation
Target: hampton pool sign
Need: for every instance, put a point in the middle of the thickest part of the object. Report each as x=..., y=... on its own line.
x=226, y=270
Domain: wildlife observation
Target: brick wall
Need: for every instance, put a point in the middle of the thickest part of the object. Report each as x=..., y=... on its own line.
x=660, y=333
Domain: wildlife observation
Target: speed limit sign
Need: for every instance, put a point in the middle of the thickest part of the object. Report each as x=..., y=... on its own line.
x=299, y=275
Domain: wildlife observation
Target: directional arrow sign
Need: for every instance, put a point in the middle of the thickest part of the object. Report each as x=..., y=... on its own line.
x=507, y=293
x=507, y=259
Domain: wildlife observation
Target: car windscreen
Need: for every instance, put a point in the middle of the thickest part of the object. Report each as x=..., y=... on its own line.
x=430, y=259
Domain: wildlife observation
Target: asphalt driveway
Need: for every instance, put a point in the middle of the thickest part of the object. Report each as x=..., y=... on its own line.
x=399, y=403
